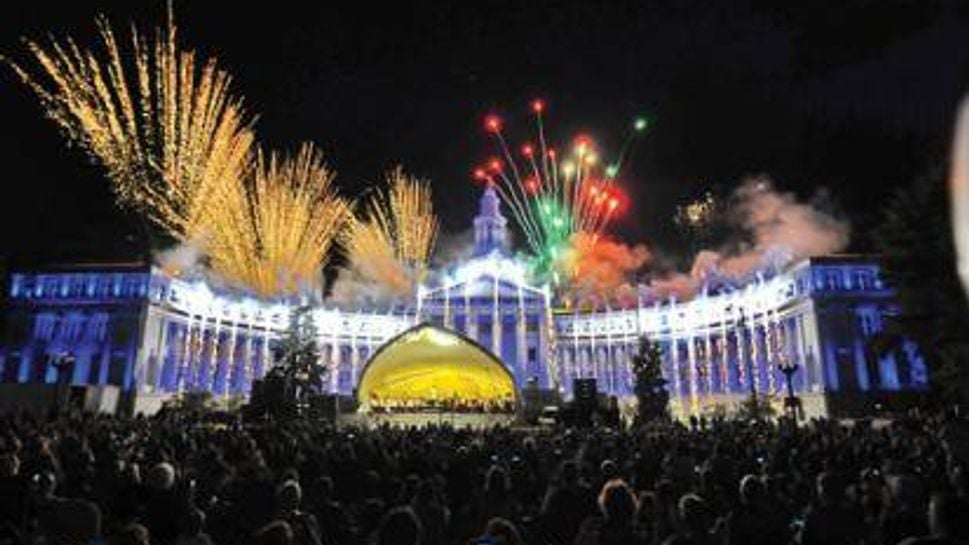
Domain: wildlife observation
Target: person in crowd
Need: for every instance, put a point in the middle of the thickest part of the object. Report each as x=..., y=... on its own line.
x=947, y=522
x=695, y=523
x=306, y=530
x=567, y=503
x=754, y=521
x=904, y=513
x=617, y=505
x=400, y=526
x=499, y=531
x=832, y=519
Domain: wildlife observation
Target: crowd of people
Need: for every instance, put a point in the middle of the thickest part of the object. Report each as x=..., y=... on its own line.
x=180, y=479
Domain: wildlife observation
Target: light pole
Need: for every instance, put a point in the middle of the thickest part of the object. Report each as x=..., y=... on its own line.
x=791, y=402
x=64, y=366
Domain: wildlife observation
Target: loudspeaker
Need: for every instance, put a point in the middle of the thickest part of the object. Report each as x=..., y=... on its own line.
x=323, y=406
x=272, y=396
x=585, y=390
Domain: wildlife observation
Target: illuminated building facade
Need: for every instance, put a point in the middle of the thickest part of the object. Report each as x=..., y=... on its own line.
x=147, y=333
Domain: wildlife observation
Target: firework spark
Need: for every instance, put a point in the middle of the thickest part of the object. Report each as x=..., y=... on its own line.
x=172, y=139
x=276, y=238
x=697, y=218
x=392, y=244
x=554, y=198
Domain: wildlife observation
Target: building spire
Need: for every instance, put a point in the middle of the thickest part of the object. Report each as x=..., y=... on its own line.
x=490, y=227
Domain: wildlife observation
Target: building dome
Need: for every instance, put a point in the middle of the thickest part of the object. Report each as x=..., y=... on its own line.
x=429, y=364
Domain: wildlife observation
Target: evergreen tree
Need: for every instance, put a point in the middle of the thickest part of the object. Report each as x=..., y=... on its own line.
x=915, y=236
x=299, y=354
x=650, y=386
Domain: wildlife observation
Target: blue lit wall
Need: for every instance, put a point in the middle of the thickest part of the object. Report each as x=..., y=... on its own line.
x=95, y=316
x=136, y=328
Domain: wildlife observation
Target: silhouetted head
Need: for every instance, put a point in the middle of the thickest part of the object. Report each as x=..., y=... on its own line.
x=751, y=490
x=161, y=476
x=569, y=473
x=275, y=533
x=617, y=502
x=503, y=531
x=830, y=488
x=695, y=513
x=399, y=526
x=289, y=495
x=496, y=481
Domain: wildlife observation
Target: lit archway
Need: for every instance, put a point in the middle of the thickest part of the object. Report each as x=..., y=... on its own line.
x=426, y=365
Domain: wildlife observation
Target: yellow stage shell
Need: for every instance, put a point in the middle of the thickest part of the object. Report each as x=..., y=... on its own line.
x=427, y=363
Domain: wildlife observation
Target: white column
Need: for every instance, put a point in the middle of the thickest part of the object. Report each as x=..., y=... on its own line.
x=185, y=360
x=708, y=353
x=448, y=319
x=231, y=371
x=742, y=369
x=772, y=354
x=354, y=355
x=334, y=362
x=675, y=367
x=247, y=361
x=691, y=372
x=724, y=354
x=496, y=319
x=471, y=316
x=266, y=355
x=593, y=355
x=521, y=333
x=812, y=348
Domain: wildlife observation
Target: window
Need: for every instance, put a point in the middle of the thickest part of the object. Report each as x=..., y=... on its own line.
x=863, y=279
x=833, y=280
x=44, y=326
x=531, y=324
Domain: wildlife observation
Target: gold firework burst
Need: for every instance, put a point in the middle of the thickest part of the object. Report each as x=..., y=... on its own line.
x=179, y=148
x=278, y=242
x=172, y=139
x=392, y=244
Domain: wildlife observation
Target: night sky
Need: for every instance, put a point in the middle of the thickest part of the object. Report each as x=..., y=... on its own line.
x=857, y=97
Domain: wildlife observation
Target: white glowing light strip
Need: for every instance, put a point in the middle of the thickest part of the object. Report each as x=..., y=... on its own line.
x=703, y=312
x=196, y=298
x=500, y=268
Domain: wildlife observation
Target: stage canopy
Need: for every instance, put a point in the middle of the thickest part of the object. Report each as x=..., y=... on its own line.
x=427, y=364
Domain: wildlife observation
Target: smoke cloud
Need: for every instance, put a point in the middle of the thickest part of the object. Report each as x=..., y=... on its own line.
x=381, y=284
x=186, y=259
x=771, y=229
x=453, y=248
x=601, y=270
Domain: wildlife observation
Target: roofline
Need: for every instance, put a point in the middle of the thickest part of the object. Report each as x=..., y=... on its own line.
x=93, y=266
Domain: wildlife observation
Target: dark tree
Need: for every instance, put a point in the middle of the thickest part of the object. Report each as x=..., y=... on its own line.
x=299, y=355
x=915, y=237
x=650, y=386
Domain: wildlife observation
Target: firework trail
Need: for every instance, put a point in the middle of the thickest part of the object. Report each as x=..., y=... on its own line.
x=554, y=198
x=276, y=238
x=391, y=244
x=172, y=139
